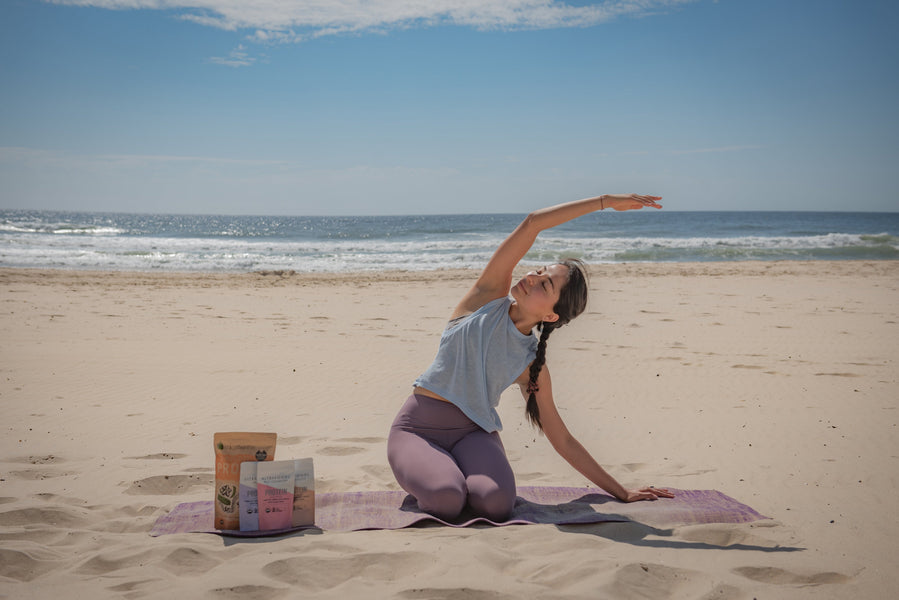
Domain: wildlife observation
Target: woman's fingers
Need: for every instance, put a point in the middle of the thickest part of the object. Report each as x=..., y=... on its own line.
x=648, y=493
x=658, y=492
x=649, y=200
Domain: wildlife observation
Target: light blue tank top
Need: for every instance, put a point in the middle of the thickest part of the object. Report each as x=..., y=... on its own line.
x=478, y=358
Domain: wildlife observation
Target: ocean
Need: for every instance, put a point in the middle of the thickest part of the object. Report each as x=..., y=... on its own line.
x=219, y=243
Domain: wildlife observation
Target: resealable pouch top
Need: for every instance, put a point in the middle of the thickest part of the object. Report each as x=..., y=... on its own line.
x=231, y=449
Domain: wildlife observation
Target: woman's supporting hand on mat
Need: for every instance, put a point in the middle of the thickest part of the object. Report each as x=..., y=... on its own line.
x=647, y=493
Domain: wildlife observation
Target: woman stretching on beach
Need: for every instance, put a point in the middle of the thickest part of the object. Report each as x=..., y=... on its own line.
x=444, y=446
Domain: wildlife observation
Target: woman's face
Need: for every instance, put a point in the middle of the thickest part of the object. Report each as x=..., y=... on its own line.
x=538, y=291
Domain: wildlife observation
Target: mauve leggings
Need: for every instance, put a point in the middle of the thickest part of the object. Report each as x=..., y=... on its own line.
x=445, y=461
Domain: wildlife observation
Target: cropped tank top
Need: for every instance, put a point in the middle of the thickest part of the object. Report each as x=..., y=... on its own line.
x=480, y=355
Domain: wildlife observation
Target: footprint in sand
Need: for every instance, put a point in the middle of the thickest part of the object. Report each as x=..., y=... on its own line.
x=837, y=374
x=58, y=499
x=649, y=580
x=781, y=577
x=340, y=450
x=24, y=566
x=251, y=592
x=159, y=456
x=347, y=450
x=39, y=474
x=57, y=516
x=170, y=485
x=454, y=594
x=288, y=440
x=38, y=460
x=633, y=467
x=692, y=473
x=132, y=586
x=109, y=562
x=188, y=561
x=317, y=573
x=123, y=519
x=363, y=440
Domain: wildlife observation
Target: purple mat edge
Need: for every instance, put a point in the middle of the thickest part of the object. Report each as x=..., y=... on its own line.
x=201, y=509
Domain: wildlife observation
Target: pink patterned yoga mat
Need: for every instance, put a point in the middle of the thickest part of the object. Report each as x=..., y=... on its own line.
x=353, y=511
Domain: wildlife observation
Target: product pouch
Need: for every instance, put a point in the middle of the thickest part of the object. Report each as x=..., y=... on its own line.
x=249, y=497
x=303, y=493
x=232, y=449
x=274, y=481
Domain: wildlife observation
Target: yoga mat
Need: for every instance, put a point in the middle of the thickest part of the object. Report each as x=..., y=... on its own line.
x=354, y=511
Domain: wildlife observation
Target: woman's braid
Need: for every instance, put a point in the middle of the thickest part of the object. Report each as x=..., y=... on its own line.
x=572, y=302
x=533, y=412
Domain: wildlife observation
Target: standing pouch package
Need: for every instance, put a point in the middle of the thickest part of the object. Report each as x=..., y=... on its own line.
x=303, y=493
x=274, y=481
x=231, y=449
x=248, y=497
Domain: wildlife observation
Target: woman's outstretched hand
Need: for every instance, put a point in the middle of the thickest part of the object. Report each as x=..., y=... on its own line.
x=630, y=201
x=647, y=493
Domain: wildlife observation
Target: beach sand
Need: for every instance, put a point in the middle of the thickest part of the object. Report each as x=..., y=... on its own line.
x=775, y=383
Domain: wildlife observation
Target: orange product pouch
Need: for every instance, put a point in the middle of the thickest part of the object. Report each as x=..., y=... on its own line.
x=231, y=449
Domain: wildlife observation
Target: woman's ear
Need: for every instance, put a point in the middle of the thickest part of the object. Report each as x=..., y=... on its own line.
x=552, y=318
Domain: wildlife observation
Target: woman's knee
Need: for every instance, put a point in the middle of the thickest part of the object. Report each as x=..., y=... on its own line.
x=444, y=502
x=487, y=499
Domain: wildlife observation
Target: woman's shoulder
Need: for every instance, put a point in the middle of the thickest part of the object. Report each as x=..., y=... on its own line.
x=487, y=307
x=477, y=298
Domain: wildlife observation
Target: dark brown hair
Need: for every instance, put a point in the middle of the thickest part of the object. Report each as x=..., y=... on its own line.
x=572, y=302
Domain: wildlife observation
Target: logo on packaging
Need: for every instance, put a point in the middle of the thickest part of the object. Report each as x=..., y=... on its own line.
x=227, y=497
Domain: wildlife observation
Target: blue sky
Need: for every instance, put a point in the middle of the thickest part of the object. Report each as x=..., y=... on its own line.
x=319, y=107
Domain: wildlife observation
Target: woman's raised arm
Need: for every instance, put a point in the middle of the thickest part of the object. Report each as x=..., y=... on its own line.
x=496, y=279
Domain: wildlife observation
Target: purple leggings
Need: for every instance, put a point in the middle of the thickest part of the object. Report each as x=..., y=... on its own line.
x=445, y=461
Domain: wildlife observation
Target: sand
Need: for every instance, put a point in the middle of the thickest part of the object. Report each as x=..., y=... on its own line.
x=775, y=383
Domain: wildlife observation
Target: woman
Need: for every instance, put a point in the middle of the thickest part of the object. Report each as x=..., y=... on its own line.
x=444, y=446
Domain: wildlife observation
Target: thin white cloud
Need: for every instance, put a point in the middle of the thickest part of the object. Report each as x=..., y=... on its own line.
x=239, y=57
x=298, y=20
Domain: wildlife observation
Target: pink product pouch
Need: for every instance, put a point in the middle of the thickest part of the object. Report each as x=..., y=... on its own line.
x=274, y=483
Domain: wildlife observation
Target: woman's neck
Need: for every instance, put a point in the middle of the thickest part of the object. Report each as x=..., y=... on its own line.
x=524, y=323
